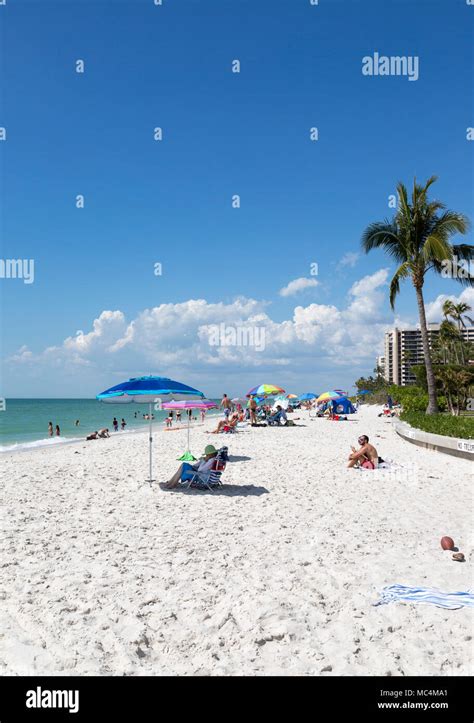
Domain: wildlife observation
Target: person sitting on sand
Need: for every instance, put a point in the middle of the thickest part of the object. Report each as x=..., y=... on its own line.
x=278, y=416
x=187, y=471
x=230, y=423
x=103, y=433
x=367, y=456
x=94, y=435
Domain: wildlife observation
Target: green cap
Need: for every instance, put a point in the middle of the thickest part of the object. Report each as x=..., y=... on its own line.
x=210, y=449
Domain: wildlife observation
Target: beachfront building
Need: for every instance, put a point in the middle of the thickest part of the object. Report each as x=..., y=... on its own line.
x=404, y=349
x=380, y=364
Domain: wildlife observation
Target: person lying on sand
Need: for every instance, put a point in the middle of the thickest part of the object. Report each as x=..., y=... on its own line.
x=103, y=432
x=94, y=435
x=367, y=456
x=186, y=471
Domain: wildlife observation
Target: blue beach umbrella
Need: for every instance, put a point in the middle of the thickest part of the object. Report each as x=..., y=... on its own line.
x=306, y=397
x=149, y=390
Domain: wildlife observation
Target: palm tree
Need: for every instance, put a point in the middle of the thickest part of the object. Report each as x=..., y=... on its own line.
x=418, y=239
x=458, y=312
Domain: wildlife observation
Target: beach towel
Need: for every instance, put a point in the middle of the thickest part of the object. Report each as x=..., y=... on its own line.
x=427, y=595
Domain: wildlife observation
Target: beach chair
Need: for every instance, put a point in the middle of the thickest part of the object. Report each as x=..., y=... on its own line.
x=212, y=480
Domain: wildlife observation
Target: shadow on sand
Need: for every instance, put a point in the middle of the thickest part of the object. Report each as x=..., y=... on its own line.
x=225, y=491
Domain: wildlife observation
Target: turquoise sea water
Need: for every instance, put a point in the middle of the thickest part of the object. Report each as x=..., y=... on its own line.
x=24, y=423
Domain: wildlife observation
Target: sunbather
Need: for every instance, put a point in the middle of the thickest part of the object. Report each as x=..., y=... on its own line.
x=187, y=471
x=103, y=432
x=225, y=425
x=367, y=456
x=93, y=435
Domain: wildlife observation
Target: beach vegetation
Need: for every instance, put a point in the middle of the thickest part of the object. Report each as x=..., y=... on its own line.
x=418, y=239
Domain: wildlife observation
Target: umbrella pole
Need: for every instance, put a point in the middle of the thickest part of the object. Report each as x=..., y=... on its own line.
x=150, y=480
x=188, y=434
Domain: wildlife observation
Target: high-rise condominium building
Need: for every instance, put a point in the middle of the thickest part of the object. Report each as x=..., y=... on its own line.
x=404, y=348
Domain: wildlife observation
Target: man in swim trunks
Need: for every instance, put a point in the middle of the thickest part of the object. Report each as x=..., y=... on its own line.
x=367, y=456
x=227, y=405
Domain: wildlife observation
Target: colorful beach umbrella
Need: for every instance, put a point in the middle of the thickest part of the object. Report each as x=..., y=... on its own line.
x=149, y=390
x=189, y=404
x=265, y=390
x=306, y=397
x=326, y=396
x=291, y=396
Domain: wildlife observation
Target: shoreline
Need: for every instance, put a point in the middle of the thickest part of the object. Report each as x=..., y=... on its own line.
x=46, y=443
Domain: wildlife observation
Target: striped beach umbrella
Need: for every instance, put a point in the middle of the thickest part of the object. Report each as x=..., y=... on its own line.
x=326, y=396
x=265, y=390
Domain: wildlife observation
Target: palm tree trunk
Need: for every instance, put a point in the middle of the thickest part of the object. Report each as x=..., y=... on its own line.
x=432, y=398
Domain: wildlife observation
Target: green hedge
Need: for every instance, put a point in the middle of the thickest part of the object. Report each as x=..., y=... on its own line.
x=462, y=427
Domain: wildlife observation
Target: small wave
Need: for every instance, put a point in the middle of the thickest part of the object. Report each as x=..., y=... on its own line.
x=48, y=442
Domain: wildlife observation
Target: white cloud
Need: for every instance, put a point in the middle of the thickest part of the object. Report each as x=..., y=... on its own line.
x=175, y=340
x=349, y=259
x=297, y=285
x=434, y=310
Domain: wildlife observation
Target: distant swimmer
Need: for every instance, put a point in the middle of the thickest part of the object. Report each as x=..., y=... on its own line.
x=123, y=424
x=58, y=431
x=115, y=424
x=50, y=429
x=76, y=423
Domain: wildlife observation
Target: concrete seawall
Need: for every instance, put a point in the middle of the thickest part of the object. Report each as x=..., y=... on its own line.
x=448, y=445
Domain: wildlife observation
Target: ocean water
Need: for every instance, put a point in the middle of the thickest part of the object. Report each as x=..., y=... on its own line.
x=24, y=423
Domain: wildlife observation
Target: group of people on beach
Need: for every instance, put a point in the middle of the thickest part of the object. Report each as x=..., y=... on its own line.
x=104, y=432
x=171, y=417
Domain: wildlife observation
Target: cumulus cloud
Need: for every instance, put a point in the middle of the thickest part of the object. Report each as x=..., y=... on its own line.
x=199, y=335
x=434, y=310
x=297, y=285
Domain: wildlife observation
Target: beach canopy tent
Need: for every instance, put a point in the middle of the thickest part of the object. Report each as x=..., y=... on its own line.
x=265, y=390
x=149, y=390
x=189, y=404
x=342, y=406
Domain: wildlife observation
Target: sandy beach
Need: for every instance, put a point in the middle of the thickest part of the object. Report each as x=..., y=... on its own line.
x=274, y=574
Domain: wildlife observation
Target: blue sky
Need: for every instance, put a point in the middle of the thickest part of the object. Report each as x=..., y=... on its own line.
x=224, y=133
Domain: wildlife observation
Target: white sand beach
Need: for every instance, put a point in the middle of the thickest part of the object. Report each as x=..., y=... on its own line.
x=274, y=574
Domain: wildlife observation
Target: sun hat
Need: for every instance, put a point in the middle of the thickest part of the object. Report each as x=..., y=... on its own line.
x=210, y=449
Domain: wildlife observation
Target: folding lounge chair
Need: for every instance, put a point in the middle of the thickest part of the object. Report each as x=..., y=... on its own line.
x=212, y=480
